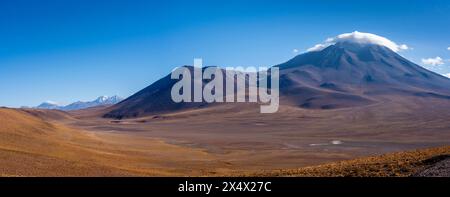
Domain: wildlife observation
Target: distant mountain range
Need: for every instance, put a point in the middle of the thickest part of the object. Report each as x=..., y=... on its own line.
x=345, y=74
x=100, y=101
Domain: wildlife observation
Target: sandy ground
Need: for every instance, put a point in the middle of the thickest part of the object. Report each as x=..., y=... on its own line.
x=31, y=146
x=226, y=140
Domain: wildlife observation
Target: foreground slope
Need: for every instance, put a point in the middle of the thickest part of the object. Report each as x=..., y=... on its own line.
x=409, y=163
x=30, y=146
x=33, y=145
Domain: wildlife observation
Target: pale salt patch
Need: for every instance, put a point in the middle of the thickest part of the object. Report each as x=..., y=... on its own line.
x=333, y=142
x=336, y=142
x=320, y=144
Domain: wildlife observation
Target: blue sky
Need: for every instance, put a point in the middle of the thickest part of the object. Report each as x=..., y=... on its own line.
x=69, y=50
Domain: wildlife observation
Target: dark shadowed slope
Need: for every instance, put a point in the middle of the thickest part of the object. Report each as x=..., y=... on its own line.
x=155, y=98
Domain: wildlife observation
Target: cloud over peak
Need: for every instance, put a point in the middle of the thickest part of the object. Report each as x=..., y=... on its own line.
x=361, y=38
x=433, y=61
x=51, y=102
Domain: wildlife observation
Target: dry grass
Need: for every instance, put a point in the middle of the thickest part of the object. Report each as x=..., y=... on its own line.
x=31, y=146
x=398, y=164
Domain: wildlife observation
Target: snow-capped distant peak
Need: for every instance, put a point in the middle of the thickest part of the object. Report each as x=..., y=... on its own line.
x=48, y=105
x=102, y=100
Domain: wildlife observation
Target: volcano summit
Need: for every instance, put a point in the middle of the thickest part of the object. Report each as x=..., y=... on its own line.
x=349, y=70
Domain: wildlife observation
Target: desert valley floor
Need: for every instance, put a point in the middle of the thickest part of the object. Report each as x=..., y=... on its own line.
x=225, y=140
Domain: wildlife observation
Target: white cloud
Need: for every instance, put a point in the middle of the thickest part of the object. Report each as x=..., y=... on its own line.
x=294, y=51
x=362, y=38
x=404, y=47
x=448, y=48
x=433, y=61
x=318, y=47
x=447, y=75
x=52, y=102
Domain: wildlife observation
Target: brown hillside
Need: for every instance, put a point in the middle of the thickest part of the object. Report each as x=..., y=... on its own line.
x=393, y=164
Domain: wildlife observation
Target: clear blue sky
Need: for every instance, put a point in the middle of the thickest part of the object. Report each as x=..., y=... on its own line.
x=69, y=50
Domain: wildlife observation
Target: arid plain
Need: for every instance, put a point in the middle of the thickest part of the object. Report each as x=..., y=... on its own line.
x=224, y=140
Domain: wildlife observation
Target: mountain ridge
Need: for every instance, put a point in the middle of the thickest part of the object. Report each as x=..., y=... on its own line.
x=100, y=101
x=341, y=75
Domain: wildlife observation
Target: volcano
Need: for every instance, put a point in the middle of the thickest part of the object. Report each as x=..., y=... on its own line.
x=349, y=74
x=343, y=75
